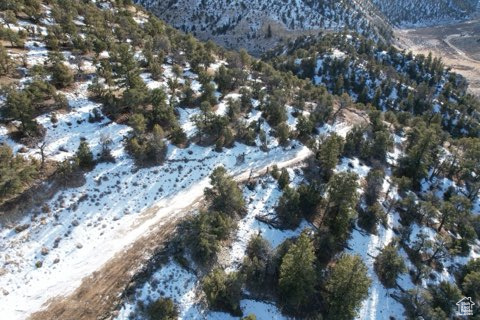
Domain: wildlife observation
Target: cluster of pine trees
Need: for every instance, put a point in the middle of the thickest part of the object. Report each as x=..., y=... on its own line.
x=300, y=275
x=381, y=75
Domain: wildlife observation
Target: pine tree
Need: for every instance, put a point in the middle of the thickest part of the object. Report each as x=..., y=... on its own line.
x=340, y=206
x=389, y=265
x=223, y=291
x=163, y=309
x=156, y=144
x=453, y=210
x=283, y=133
x=258, y=255
x=422, y=149
x=15, y=173
x=346, y=287
x=288, y=208
x=5, y=61
x=138, y=123
x=19, y=106
x=328, y=153
x=297, y=274
x=374, y=186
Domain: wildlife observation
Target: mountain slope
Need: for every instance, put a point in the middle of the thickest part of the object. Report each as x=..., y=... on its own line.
x=258, y=25
x=113, y=124
x=425, y=12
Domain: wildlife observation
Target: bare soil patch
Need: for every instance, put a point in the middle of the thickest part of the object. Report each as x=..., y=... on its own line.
x=457, y=44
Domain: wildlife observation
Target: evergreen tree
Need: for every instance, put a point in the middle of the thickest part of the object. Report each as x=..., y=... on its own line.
x=163, y=309
x=453, y=210
x=84, y=156
x=288, y=208
x=5, y=61
x=389, y=265
x=422, y=148
x=223, y=291
x=224, y=195
x=283, y=133
x=283, y=179
x=207, y=229
x=346, y=287
x=258, y=255
x=16, y=173
x=374, y=186
x=340, y=206
x=62, y=76
x=19, y=106
x=297, y=274
x=328, y=153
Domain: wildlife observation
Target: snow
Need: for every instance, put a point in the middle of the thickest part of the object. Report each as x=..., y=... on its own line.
x=89, y=224
x=353, y=165
x=261, y=201
x=379, y=304
x=262, y=311
x=180, y=284
x=104, y=219
x=186, y=122
x=337, y=54
x=340, y=128
x=171, y=281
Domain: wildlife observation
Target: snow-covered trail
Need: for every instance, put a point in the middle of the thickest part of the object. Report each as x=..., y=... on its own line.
x=62, y=278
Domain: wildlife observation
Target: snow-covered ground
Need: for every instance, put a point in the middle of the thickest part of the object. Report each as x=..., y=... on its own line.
x=175, y=282
x=81, y=228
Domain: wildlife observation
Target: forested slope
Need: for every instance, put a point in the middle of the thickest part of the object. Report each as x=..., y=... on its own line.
x=113, y=122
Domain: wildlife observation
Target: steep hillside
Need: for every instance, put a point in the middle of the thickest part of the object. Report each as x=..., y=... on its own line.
x=147, y=175
x=426, y=12
x=259, y=25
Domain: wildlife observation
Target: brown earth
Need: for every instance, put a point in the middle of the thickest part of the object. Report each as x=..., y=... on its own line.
x=457, y=44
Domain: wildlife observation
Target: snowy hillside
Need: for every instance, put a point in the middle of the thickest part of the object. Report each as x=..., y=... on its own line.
x=147, y=175
x=258, y=25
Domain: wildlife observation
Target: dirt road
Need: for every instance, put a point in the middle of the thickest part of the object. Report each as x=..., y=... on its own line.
x=457, y=44
x=99, y=293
